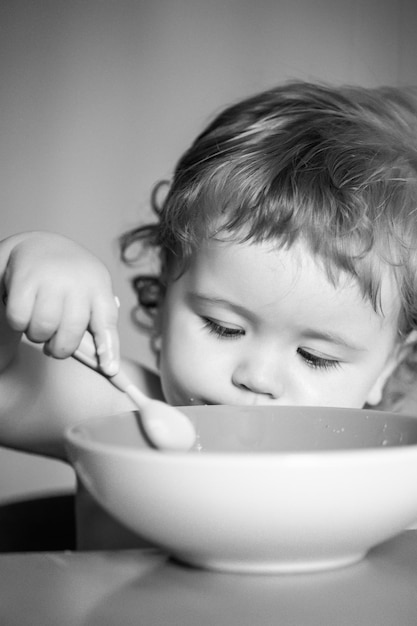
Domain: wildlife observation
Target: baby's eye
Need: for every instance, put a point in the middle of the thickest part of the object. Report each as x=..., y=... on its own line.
x=225, y=332
x=317, y=362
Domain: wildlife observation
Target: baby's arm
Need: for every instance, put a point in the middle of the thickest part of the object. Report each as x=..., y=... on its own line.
x=53, y=290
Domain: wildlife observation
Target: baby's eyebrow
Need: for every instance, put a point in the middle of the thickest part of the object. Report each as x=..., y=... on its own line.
x=198, y=298
x=332, y=337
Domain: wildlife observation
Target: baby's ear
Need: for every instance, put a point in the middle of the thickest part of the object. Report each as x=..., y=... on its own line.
x=398, y=355
x=410, y=339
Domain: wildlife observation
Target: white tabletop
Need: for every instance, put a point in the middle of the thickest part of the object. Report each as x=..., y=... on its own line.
x=144, y=587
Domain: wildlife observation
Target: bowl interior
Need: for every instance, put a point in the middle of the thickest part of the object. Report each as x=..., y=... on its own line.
x=269, y=429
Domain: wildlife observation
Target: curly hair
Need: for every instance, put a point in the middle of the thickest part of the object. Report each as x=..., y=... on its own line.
x=333, y=167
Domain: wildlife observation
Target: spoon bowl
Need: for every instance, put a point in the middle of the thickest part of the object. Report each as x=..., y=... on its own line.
x=164, y=426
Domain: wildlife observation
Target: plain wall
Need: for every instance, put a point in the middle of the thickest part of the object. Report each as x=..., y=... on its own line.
x=99, y=98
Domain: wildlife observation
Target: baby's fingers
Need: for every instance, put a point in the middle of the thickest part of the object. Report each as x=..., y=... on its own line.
x=74, y=321
x=19, y=307
x=103, y=327
x=45, y=319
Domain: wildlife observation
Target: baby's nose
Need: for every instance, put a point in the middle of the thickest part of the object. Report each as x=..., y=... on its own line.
x=260, y=378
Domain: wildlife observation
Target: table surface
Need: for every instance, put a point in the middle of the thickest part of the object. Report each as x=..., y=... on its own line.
x=144, y=587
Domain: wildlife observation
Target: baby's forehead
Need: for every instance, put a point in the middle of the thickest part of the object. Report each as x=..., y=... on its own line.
x=372, y=277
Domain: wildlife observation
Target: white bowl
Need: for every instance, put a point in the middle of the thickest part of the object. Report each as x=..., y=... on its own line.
x=266, y=489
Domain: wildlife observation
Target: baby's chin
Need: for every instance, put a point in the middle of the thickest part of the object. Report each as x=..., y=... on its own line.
x=178, y=398
x=191, y=401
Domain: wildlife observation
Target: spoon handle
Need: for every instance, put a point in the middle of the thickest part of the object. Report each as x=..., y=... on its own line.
x=86, y=354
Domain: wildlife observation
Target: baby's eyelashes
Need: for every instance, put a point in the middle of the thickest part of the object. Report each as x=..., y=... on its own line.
x=221, y=330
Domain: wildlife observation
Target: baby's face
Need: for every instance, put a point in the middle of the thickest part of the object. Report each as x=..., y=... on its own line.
x=247, y=324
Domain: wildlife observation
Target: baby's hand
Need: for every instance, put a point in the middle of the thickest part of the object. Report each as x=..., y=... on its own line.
x=54, y=290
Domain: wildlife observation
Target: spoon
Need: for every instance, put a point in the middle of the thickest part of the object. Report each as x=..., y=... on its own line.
x=165, y=427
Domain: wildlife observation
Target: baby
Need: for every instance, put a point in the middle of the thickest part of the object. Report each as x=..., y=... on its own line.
x=287, y=243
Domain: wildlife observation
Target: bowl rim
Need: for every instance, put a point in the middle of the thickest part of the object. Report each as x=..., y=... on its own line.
x=73, y=437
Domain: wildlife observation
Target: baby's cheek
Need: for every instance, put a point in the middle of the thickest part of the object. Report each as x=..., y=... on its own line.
x=178, y=380
x=348, y=394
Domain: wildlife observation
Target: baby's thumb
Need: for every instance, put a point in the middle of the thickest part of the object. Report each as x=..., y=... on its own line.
x=103, y=327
